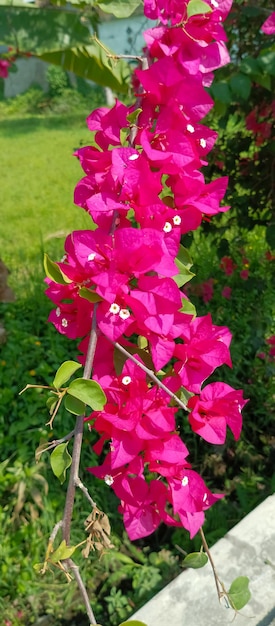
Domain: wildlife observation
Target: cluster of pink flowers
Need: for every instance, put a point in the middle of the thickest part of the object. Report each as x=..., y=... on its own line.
x=143, y=193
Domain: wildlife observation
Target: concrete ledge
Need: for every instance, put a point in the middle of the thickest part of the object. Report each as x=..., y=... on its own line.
x=247, y=550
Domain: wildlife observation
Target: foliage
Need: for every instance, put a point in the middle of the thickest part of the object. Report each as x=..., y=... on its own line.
x=62, y=35
x=57, y=80
x=243, y=115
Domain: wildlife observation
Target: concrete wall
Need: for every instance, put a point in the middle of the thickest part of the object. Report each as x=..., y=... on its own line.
x=30, y=71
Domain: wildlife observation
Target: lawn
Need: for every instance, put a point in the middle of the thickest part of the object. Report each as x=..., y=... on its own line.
x=38, y=176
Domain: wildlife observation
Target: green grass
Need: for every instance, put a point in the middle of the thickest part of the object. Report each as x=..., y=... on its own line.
x=38, y=177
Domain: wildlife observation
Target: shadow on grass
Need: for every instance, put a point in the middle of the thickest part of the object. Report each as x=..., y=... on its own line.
x=16, y=125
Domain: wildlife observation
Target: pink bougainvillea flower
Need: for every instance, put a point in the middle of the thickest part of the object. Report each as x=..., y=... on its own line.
x=227, y=265
x=205, y=348
x=4, y=68
x=108, y=124
x=190, y=498
x=268, y=26
x=271, y=342
x=244, y=274
x=226, y=292
x=218, y=406
x=208, y=290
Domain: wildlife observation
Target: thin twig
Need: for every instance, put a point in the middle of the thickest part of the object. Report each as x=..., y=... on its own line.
x=56, y=442
x=124, y=56
x=219, y=586
x=82, y=589
x=78, y=436
x=151, y=375
x=79, y=484
x=55, y=530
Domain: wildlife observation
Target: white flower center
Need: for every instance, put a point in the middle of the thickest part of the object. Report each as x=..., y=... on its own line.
x=185, y=481
x=133, y=157
x=126, y=380
x=167, y=227
x=58, y=312
x=124, y=314
x=92, y=256
x=114, y=308
x=203, y=143
x=190, y=128
x=64, y=322
x=177, y=220
x=108, y=480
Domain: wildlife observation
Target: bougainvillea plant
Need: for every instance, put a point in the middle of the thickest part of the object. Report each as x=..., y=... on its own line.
x=119, y=290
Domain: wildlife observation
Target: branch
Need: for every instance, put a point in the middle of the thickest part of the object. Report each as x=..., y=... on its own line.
x=78, y=436
x=79, y=484
x=83, y=590
x=218, y=583
x=151, y=375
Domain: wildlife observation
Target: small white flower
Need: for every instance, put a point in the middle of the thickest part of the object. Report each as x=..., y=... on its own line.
x=108, y=480
x=167, y=227
x=205, y=498
x=214, y=3
x=114, y=308
x=58, y=312
x=177, y=220
x=185, y=481
x=133, y=157
x=203, y=143
x=126, y=380
x=190, y=128
x=124, y=314
x=64, y=322
x=92, y=256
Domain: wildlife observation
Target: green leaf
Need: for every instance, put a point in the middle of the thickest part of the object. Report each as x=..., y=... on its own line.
x=222, y=92
x=60, y=461
x=132, y=117
x=183, y=262
x=89, y=295
x=195, y=560
x=184, y=275
x=250, y=66
x=74, y=406
x=188, y=308
x=264, y=80
x=91, y=62
x=142, y=342
x=38, y=567
x=267, y=62
x=89, y=392
x=197, y=7
x=53, y=272
x=64, y=373
x=184, y=257
x=239, y=594
x=51, y=403
x=118, y=8
x=185, y=395
x=62, y=552
x=241, y=85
